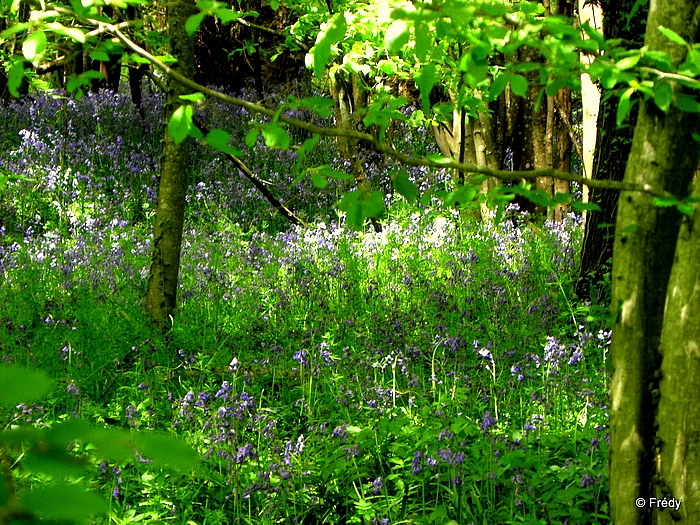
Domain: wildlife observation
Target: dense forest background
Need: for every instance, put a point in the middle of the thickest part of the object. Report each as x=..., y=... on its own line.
x=349, y=262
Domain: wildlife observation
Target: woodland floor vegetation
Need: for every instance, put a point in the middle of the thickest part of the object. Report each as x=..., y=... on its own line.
x=439, y=370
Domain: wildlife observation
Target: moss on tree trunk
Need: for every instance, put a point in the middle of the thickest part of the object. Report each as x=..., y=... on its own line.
x=644, y=253
x=161, y=298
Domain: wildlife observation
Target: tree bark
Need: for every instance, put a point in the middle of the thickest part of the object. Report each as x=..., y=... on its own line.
x=612, y=150
x=644, y=250
x=161, y=298
x=678, y=445
x=350, y=98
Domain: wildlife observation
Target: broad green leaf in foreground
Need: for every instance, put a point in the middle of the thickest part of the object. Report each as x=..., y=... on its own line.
x=166, y=451
x=332, y=34
x=63, y=503
x=21, y=385
x=34, y=45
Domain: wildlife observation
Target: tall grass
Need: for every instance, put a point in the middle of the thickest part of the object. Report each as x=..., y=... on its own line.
x=435, y=371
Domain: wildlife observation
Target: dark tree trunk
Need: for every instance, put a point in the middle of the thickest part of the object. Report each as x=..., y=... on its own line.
x=613, y=147
x=161, y=298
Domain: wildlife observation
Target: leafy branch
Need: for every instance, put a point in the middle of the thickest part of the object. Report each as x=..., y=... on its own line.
x=433, y=161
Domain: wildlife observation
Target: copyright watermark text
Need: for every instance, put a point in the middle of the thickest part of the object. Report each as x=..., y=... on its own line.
x=658, y=503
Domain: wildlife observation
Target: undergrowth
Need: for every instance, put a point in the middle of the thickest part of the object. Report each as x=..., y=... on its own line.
x=439, y=370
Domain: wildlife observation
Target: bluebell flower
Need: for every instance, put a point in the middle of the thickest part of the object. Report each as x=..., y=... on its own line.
x=416, y=463
x=488, y=421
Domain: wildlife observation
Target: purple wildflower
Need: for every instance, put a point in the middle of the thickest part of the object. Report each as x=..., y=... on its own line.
x=488, y=421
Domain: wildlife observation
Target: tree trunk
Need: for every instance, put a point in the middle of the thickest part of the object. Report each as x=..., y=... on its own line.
x=590, y=13
x=161, y=298
x=349, y=98
x=612, y=150
x=561, y=147
x=678, y=452
x=645, y=246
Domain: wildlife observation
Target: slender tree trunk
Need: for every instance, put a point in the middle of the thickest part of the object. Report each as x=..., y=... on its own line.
x=590, y=13
x=645, y=247
x=561, y=147
x=349, y=98
x=161, y=298
x=612, y=149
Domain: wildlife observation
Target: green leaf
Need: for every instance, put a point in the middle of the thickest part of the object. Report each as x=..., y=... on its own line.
x=388, y=67
x=21, y=385
x=348, y=200
x=554, y=86
x=219, y=140
x=34, y=45
x=327, y=171
x=686, y=209
x=322, y=106
x=275, y=136
x=396, y=36
x=585, y=206
x=352, y=207
x=180, y=123
x=251, y=138
x=274, y=4
x=518, y=84
x=424, y=40
x=461, y=195
x=114, y=444
x=193, y=97
x=15, y=76
x=624, y=106
x=499, y=85
x=166, y=451
x=71, y=32
x=665, y=202
x=373, y=204
x=319, y=180
x=663, y=96
x=628, y=62
x=226, y=15
x=14, y=29
x=437, y=158
x=562, y=198
x=193, y=22
x=425, y=79
x=100, y=55
x=138, y=59
x=54, y=462
x=62, y=503
x=404, y=186
x=332, y=34
x=687, y=103
x=354, y=216
x=673, y=36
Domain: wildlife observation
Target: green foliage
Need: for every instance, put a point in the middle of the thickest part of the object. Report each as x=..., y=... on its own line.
x=63, y=503
x=407, y=189
x=51, y=454
x=21, y=385
x=275, y=135
x=220, y=140
x=181, y=124
x=34, y=46
x=333, y=32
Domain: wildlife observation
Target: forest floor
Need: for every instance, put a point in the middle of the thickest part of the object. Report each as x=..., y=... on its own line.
x=439, y=370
